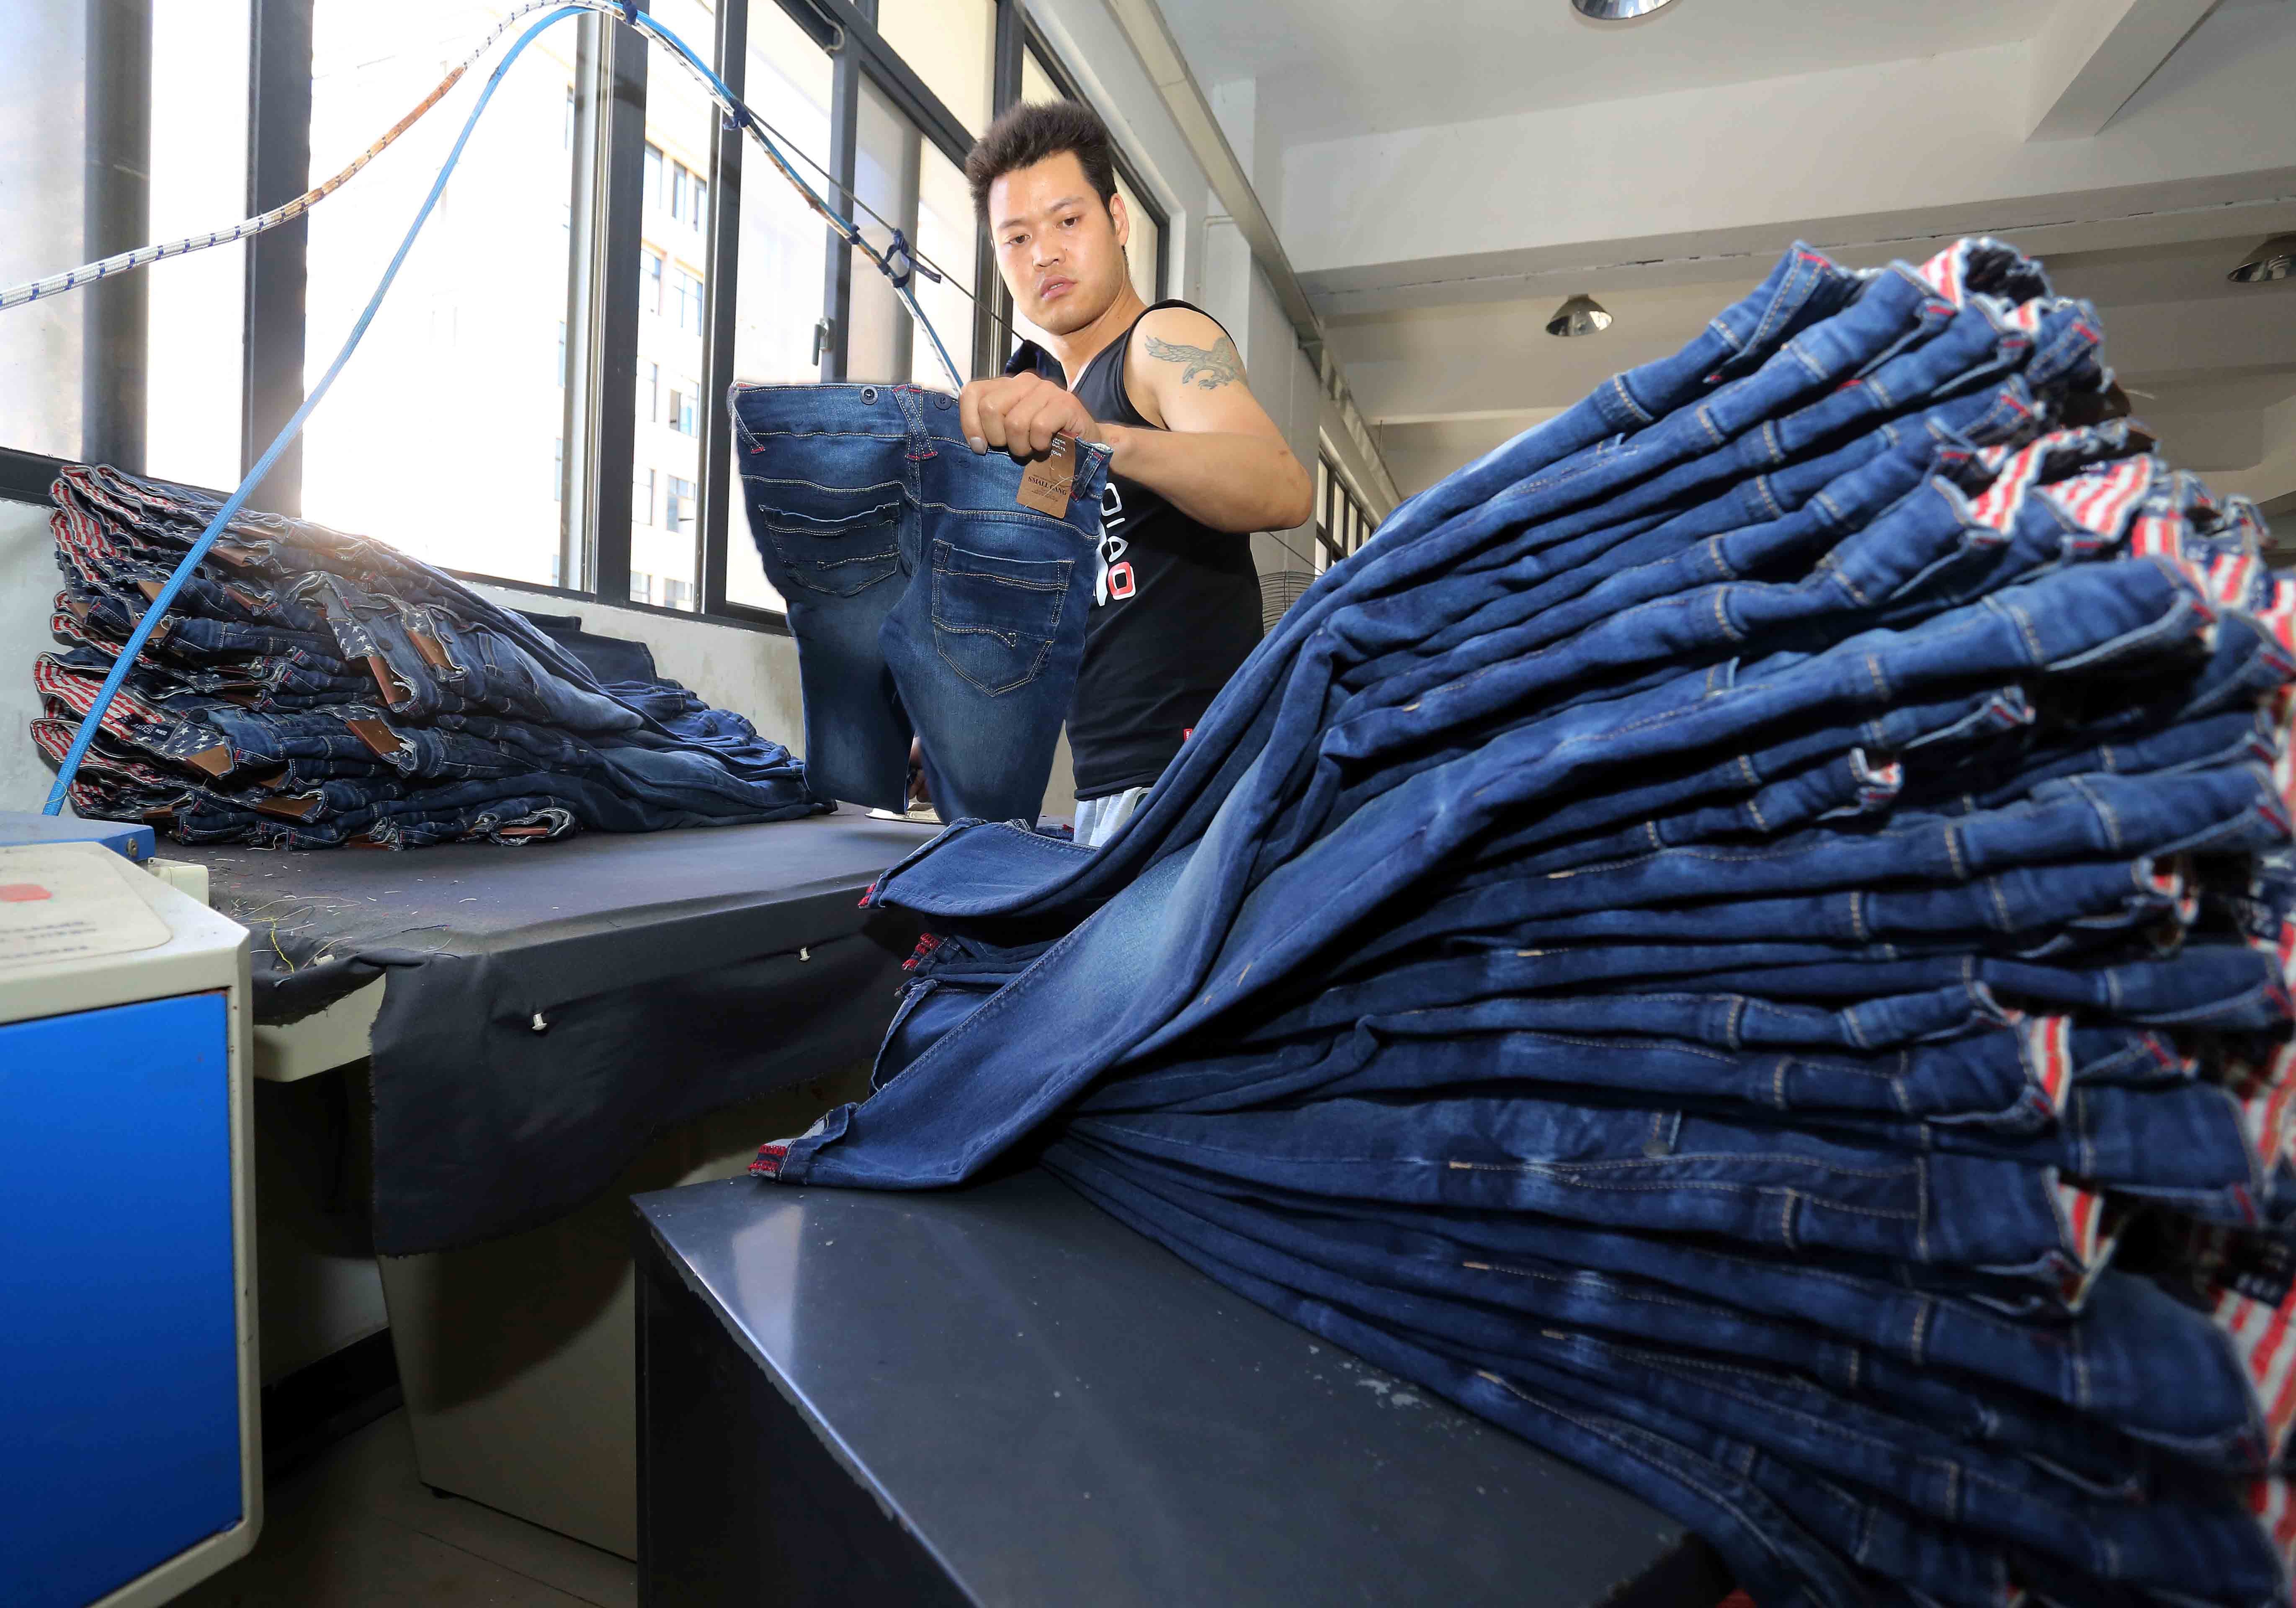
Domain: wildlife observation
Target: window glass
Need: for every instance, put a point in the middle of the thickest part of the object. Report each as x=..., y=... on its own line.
x=681, y=124
x=475, y=309
x=947, y=236
x=1037, y=85
x=909, y=183
x=781, y=281
x=196, y=305
x=950, y=45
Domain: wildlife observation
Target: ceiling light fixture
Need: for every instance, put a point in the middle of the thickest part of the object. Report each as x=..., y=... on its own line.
x=1617, y=10
x=2274, y=259
x=1580, y=316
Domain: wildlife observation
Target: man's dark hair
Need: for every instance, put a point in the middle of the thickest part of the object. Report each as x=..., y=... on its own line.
x=1025, y=135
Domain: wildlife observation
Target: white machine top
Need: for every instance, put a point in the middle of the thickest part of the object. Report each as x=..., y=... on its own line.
x=59, y=902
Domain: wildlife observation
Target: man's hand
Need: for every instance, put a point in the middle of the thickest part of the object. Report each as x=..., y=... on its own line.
x=1021, y=413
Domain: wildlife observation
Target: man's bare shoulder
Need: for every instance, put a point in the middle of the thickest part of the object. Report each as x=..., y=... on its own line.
x=1181, y=346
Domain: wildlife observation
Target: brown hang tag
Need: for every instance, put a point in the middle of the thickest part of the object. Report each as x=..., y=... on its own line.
x=1044, y=482
x=377, y=736
x=150, y=590
x=293, y=810
x=216, y=761
x=521, y=831
x=378, y=667
x=433, y=654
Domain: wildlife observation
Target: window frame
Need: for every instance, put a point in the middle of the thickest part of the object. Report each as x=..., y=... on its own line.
x=1343, y=521
x=607, y=208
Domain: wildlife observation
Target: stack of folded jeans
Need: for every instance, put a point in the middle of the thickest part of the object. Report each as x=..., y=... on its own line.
x=1747, y=938
x=311, y=690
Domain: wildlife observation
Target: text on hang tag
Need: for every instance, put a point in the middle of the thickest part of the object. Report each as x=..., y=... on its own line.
x=1045, y=482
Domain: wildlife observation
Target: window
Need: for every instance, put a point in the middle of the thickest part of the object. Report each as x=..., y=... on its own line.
x=650, y=282
x=689, y=196
x=194, y=307
x=679, y=508
x=690, y=309
x=474, y=308
x=949, y=43
x=777, y=296
x=1037, y=83
x=685, y=407
x=676, y=594
x=910, y=182
x=641, y=586
x=653, y=177
x=1342, y=524
x=649, y=393
x=642, y=497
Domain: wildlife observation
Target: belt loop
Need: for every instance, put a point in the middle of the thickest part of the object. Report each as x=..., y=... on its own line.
x=912, y=401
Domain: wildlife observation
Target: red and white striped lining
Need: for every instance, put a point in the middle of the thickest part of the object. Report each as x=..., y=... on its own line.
x=2272, y=1500
x=2091, y=1231
x=2047, y=1043
x=2264, y=1341
x=2103, y=499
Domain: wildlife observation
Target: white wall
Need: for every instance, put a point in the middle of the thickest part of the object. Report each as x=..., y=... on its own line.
x=28, y=583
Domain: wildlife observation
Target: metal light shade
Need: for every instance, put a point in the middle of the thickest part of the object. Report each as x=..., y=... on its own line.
x=1580, y=316
x=2275, y=258
x=1617, y=10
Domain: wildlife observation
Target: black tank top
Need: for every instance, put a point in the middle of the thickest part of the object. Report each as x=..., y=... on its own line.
x=1181, y=611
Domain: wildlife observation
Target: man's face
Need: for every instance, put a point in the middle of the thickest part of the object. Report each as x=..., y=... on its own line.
x=1061, y=253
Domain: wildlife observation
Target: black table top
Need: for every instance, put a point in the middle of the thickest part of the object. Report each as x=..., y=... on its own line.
x=1063, y=1411
x=468, y=898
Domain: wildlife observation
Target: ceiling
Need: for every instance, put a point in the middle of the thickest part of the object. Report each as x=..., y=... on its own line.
x=1443, y=177
x=1326, y=67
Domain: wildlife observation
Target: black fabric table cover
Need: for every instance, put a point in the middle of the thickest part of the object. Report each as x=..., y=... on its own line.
x=549, y=1010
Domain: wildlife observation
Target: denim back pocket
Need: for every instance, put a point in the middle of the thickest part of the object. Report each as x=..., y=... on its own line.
x=994, y=620
x=838, y=556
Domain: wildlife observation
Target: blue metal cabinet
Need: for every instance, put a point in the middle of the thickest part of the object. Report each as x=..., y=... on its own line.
x=118, y=1348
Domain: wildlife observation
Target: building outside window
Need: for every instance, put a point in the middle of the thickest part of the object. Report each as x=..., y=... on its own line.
x=642, y=497
x=678, y=508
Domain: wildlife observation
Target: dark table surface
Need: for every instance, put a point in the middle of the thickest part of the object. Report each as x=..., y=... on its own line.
x=1061, y=1411
x=550, y=1008
x=313, y=908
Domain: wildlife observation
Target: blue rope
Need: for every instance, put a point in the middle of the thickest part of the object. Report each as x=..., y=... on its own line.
x=92, y=721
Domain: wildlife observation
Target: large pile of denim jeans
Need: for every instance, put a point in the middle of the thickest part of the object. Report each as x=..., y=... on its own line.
x=311, y=690
x=1745, y=938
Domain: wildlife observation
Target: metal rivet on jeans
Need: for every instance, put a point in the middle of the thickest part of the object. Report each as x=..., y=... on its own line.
x=868, y=393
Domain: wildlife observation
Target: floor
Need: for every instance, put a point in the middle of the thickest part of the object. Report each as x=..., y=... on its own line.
x=358, y=1529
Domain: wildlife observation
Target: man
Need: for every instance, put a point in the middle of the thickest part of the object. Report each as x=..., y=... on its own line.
x=1196, y=465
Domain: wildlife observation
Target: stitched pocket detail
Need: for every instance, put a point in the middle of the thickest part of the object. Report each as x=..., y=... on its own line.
x=994, y=620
